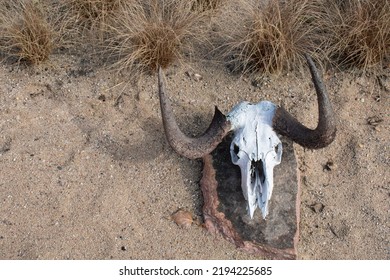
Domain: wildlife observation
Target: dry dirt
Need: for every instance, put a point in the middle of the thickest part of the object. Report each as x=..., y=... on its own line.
x=86, y=172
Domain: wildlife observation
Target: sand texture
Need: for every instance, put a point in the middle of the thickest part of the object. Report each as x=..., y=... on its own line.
x=86, y=171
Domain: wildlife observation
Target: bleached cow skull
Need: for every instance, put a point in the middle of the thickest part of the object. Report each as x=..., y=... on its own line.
x=255, y=147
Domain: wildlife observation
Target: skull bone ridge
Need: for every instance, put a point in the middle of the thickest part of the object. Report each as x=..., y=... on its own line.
x=256, y=149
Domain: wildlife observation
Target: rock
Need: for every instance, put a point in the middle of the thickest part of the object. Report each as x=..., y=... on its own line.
x=317, y=207
x=182, y=218
x=225, y=209
x=329, y=165
x=340, y=229
x=194, y=76
x=374, y=121
x=102, y=97
x=197, y=77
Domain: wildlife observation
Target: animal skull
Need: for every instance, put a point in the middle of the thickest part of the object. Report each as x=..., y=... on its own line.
x=255, y=146
x=256, y=149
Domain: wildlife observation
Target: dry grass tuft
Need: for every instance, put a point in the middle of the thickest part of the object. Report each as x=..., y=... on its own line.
x=152, y=33
x=272, y=37
x=267, y=36
x=25, y=33
x=90, y=15
x=358, y=31
x=205, y=5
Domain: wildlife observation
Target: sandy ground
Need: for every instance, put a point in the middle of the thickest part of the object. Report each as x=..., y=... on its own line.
x=86, y=172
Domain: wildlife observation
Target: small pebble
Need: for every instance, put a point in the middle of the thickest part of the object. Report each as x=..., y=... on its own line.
x=317, y=207
x=374, y=121
x=329, y=166
x=197, y=77
x=194, y=76
x=182, y=218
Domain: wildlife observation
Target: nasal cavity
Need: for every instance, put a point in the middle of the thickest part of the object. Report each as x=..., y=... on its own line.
x=257, y=169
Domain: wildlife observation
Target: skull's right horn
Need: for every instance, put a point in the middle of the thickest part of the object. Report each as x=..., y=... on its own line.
x=186, y=146
x=325, y=132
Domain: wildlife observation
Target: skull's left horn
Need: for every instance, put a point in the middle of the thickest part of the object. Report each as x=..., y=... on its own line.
x=324, y=133
x=186, y=146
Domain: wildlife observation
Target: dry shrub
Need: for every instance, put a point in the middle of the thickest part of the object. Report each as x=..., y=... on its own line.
x=270, y=36
x=151, y=33
x=89, y=15
x=358, y=31
x=204, y=5
x=81, y=25
x=25, y=32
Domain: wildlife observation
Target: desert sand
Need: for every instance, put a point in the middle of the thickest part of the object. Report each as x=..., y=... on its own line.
x=86, y=171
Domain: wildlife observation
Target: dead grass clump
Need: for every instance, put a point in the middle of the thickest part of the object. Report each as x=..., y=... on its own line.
x=25, y=32
x=205, y=5
x=358, y=31
x=270, y=36
x=89, y=14
x=151, y=33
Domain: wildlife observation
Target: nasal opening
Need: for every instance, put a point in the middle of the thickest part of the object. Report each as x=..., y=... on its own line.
x=257, y=170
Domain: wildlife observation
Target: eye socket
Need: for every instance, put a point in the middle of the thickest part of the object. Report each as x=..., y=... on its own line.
x=236, y=149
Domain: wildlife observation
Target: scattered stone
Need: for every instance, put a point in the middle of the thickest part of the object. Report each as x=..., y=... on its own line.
x=194, y=76
x=182, y=218
x=374, y=121
x=329, y=165
x=102, y=97
x=317, y=207
x=197, y=77
x=340, y=229
x=333, y=231
x=124, y=248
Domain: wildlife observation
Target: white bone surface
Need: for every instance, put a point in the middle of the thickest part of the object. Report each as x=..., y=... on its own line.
x=256, y=149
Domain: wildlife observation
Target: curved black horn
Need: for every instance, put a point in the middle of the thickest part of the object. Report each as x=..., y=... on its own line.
x=190, y=147
x=325, y=131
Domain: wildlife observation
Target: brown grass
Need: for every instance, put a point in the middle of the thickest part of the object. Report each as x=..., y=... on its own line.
x=89, y=15
x=358, y=31
x=268, y=36
x=272, y=36
x=152, y=33
x=205, y=5
x=25, y=32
